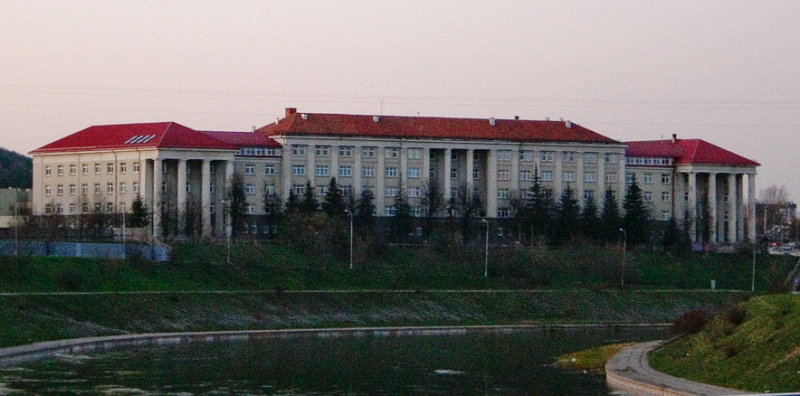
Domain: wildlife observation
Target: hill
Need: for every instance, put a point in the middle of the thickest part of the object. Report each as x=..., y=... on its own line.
x=16, y=170
x=752, y=346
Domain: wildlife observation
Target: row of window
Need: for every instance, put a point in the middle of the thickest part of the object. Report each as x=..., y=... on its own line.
x=73, y=208
x=98, y=168
x=73, y=188
x=647, y=178
x=258, y=151
x=647, y=161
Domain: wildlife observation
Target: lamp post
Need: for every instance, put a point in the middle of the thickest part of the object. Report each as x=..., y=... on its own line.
x=351, y=236
x=753, y=282
x=16, y=222
x=227, y=219
x=486, y=250
x=123, y=235
x=624, y=251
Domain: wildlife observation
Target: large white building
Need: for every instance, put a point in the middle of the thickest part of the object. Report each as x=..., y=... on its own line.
x=172, y=166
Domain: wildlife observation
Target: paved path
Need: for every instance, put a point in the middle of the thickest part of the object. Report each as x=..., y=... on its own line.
x=629, y=371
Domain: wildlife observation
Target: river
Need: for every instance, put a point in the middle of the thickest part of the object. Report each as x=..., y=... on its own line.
x=492, y=363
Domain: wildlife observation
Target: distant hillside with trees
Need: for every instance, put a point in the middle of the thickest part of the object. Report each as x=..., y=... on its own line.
x=16, y=170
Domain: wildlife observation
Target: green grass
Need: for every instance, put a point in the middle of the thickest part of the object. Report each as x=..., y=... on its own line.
x=593, y=359
x=759, y=354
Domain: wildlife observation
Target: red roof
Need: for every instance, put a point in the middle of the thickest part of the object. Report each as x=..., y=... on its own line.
x=687, y=151
x=242, y=139
x=431, y=127
x=129, y=136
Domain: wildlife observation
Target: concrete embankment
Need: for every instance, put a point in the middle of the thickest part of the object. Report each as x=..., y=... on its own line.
x=629, y=371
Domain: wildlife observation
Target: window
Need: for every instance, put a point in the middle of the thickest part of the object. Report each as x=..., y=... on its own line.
x=73, y=189
x=97, y=188
x=547, y=156
x=269, y=169
x=135, y=187
x=588, y=194
x=298, y=170
x=48, y=170
x=391, y=191
x=61, y=170
x=503, y=155
x=589, y=177
x=569, y=176
x=110, y=168
x=629, y=178
x=525, y=175
x=611, y=177
x=502, y=212
x=135, y=167
x=666, y=196
x=368, y=152
x=249, y=169
x=475, y=174
x=85, y=208
x=299, y=149
x=346, y=151
x=250, y=189
x=503, y=174
x=453, y=174
x=414, y=153
x=48, y=208
x=392, y=152
x=589, y=158
x=72, y=208
x=665, y=215
x=251, y=209
x=73, y=170
x=298, y=189
x=345, y=171
x=123, y=167
x=502, y=193
x=648, y=178
x=368, y=171
x=665, y=178
x=211, y=187
x=270, y=190
x=271, y=151
x=110, y=188
x=322, y=151
x=390, y=210
x=320, y=190
x=414, y=192
x=322, y=170
x=526, y=155
x=568, y=156
x=123, y=188
x=96, y=169
x=48, y=190
x=648, y=196
x=60, y=189
x=60, y=208
x=547, y=176
x=611, y=158
x=84, y=189
x=416, y=211
x=391, y=171
x=413, y=173
x=85, y=169
x=347, y=190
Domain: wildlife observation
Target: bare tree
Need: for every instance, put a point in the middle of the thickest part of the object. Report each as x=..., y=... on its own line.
x=774, y=195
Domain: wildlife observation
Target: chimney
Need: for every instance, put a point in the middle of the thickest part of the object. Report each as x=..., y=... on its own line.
x=568, y=124
x=304, y=116
x=674, y=138
x=516, y=118
x=376, y=118
x=492, y=121
x=290, y=111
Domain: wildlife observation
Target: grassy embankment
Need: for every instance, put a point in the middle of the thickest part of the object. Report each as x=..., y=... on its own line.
x=754, y=346
x=581, y=289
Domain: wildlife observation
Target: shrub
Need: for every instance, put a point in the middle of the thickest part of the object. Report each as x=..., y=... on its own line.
x=690, y=322
x=736, y=315
x=71, y=279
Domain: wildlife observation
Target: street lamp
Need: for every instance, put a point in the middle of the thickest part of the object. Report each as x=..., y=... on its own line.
x=16, y=222
x=351, y=236
x=624, y=250
x=227, y=220
x=486, y=254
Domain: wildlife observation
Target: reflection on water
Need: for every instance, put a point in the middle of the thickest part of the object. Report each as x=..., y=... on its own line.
x=464, y=364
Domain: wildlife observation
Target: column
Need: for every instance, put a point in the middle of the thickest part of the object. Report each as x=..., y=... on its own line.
x=380, y=182
x=426, y=168
x=446, y=177
x=600, y=194
x=739, y=204
x=311, y=158
x=751, y=206
x=205, y=196
x=732, y=208
x=712, y=206
x=558, y=174
x=357, y=172
x=491, y=184
x=181, y=195
x=334, y=172
x=514, y=171
x=286, y=172
x=470, y=168
x=622, y=186
x=693, y=205
x=158, y=169
x=579, y=179
x=678, y=204
x=228, y=179
x=404, y=169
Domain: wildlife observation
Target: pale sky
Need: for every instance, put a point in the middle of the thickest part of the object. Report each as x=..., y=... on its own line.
x=724, y=71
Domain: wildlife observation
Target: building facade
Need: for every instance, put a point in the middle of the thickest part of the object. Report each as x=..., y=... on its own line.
x=492, y=161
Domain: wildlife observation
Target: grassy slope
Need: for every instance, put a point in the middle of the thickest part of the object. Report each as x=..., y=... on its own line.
x=760, y=354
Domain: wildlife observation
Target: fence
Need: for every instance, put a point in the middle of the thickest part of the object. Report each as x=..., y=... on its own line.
x=86, y=250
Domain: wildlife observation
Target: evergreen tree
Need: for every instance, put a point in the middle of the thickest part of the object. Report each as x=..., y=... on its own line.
x=589, y=218
x=309, y=203
x=567, y=216
x=292, y=203
x=636, y=220
x=273, y=208
x=673, y=236
x=402, y=222
x=140, y=215
x=237, y=199
x=540, y=206
x=333, y=204
x=609, y=220
x=365, y=212
x=432, y=203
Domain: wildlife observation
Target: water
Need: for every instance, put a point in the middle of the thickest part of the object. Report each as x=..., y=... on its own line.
x=516, y=363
